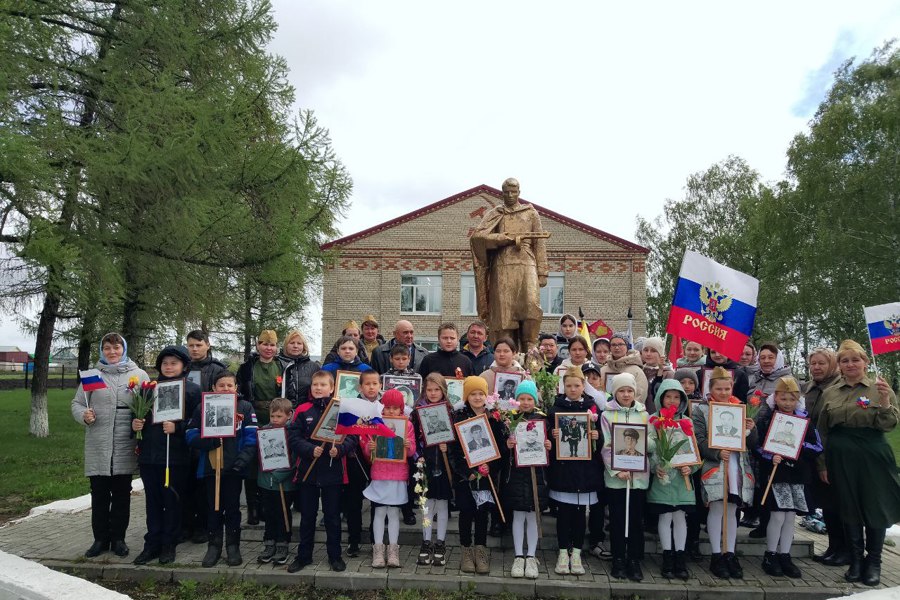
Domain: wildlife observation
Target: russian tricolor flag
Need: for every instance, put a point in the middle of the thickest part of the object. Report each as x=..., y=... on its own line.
x=358, y=416
x=883, y=322
x=91, y=380
x=714, y=305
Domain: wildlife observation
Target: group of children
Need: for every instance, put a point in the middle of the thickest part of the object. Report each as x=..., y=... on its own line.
x=338, y=476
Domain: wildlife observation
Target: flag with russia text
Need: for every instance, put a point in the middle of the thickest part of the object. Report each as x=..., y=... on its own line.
x=883, y=323
x=713, y=305
x=358, y=416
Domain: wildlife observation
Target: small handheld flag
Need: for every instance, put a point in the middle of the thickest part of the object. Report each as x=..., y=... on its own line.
x=600, y=329
x=883, y=323
x=713, y=305
x=583, y=327
x=91, y=380
x=358, y=416
x=675, y=350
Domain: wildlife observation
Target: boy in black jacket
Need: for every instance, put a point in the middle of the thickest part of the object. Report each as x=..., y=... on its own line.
x=237, y=453
x=326, y=476
x=164, y=503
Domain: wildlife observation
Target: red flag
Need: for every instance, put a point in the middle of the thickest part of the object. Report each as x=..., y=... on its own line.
x=600, y=329
x=676, y=351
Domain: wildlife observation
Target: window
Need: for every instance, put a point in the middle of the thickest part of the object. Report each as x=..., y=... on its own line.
x=467, y=303
x=420, y=293
x=430, y=344
x=552, y=294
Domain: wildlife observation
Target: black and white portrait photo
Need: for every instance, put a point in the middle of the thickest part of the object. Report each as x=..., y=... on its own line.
x=629, y=447
x=346, y=384
x=454, y=391
x=218, y=415
x=726, y=426
x=786, y=434
x=530, y=450
x=408, y=385
x=574, y=436
x=477, y=440
x=273, y=449
x=168, y=401
x=505, y=384
x=686, y=455
x=437, y=427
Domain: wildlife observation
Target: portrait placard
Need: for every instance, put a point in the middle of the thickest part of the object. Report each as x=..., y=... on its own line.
x=346, y=384
x=408, y=385
x=218, y=411
x=530, y=450
x=273, y=449
x=688, y=454
x=454, y=390
x=629, y=447
x=705, y=375
x=477, y=441
x=437, y=426
x=574, y=436
x=700, y=406
x=505, y=384
x=168, y=401
x=324, y=431
x=726, y=426
x=786, y=434
x=392, y=449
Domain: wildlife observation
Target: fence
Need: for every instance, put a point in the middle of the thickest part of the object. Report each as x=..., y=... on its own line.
x=15, y=376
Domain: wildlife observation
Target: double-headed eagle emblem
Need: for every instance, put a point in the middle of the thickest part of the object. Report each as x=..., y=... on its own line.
x=716, y=300
x=893, y=325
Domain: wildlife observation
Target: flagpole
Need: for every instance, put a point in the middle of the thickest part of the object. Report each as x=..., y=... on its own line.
x=871, y=346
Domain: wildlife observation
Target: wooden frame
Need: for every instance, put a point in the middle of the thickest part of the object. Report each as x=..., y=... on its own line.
x=324, y=431
x=341, y=389
x=724, y=435
x=440, y=412
x=780, y=442
x=215, y=412
x=175, y=390
x=622, y=456
x=408, y=385
x=704, y=376
x=506, y=376
x=578, y=417
x=481, y=450
x=687, y=459
x=272, y=449
x=393, y=449
x=526, y=454
x=455, y=390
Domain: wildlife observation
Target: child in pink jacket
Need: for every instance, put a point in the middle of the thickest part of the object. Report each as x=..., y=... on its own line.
x=387, y=490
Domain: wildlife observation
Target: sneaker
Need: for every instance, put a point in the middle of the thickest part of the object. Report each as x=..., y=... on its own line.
x=440, y=554
x=601, y=551
x=353, y=550
x=425, y=552
x=281, y=553
x=531, y=568
x=562, y=563
x=576, y=568
x=267, y=553
x=518, y=568
x=633, y=570
x=618, y=569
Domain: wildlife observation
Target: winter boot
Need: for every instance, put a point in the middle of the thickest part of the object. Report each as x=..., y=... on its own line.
x=872, y=569
x=681, y=570
x=440, y=554
x=267, y=553
x=618, y=569
x=735, y=571
x=467, y=561
x=425, y=554
x=233, y=556
x=213, y=550
x=788, y=567
x=633, y=570
x=281, y=553
x=482, y=560
x=717, y=566
x=771, y=565
x=393, y=556
x=378, y=561
x=668, y=564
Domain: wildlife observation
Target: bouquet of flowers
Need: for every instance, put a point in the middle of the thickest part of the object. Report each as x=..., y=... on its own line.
x=421, y=489
x=507, y=412
x=547, y=384
x=665, y=425
x=141, y=399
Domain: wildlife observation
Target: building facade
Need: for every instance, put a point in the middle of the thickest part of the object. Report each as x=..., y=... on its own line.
x=418, y=267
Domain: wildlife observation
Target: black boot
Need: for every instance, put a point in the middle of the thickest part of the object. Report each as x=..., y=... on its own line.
x=874, y=543
x=837, y=554
x=633, y=570
x=855, y=542
x=735, y=571
x=771, y=566
x=694, y=551
x=681, y=570
x=251, y=491
x=668, y=564
x=618, y=568
x=213, y=550
x=233, y=556
x=788, y=567
x=717, y=566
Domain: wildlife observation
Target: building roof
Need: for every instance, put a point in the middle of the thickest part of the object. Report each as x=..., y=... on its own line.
x=10, y=349
x=484, y=189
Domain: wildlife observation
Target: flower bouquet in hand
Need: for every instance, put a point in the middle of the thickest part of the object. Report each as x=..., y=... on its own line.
x=421, y=491
x=666, y=424
x=547, y=384
x=141, y=399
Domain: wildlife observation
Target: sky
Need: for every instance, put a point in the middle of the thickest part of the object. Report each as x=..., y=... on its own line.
x=600, y=110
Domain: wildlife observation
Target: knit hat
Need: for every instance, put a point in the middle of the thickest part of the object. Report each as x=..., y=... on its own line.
x=370, y=319
x=267, y=336
x=473, y=383
x=527, y=386
x=851, y=347
x=686, y=374
x=657, y=344
x=392, y=399
x=623, y=380
x=787, y=384
x=179, y=352
x=720, y=373
x=351, y=324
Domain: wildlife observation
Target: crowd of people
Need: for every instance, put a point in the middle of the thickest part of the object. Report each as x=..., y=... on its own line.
x=845, y=468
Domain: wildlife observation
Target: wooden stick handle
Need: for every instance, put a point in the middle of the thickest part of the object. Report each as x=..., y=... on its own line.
x=537, y=503
x=687, y=483
x=627, y=505
x=497, y=498
x=769, y=485
x=447, y=466
x=218, y=476
x=284, y=512
x=725, y=510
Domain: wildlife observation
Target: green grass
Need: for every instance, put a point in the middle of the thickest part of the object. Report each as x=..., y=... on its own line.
x=894, y=440
x=37, y=471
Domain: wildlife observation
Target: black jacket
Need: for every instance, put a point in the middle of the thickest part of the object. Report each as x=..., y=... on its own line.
x=551, y=366
x=457, y=456
x=152, y=446
x=237, y=453
x=326, y=471
x=741, y=381
x=518, y=493
x=296, y=377
x=207, y=368
x=480, y=363
x=446, y=363
x=578, y=476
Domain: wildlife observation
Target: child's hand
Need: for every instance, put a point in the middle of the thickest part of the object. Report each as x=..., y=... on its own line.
x=749, y=424
x=168, y=427
x=685, y=470
x=406, y=444
x=724, y=454
x=547, y=444
x=660, y=472
x=442, y=448
x=595, y=435
x=555, y=433
x=510, y=442
x=317, y=451
x=137, y=424
x=624, y=475
x=372, y=445
x=776, y=460
x=333, y=452
x=89, y=416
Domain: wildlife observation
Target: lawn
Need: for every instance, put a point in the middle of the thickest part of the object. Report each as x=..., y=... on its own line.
x=38, y=471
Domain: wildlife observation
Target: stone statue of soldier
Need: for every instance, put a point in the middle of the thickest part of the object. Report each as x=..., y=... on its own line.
x=509, y=251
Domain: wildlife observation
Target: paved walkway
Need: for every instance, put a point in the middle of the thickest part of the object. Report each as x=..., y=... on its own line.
x=58, y=541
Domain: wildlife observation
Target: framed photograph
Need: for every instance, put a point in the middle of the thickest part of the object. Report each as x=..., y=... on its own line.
x=574, y=431
x=196, y=377
x=218, y=412
x=346, y=384
x=168, y=401
x=530, y=438
x=392, y=449
x=454, y=390
x=689, y=453
x=437, y=426
x=273, y=449
x=705, y=374
x=629, y=447
x=408, y=385
x=505, y=384
x=700, y=406
x=324, y=431
x=786, y=434
x=726, y=426
x=561, y=373
x=477, y=441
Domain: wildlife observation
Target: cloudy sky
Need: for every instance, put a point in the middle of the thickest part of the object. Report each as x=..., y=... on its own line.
x=601, y=110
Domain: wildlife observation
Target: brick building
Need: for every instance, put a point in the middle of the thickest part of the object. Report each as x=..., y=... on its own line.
x=419, y=267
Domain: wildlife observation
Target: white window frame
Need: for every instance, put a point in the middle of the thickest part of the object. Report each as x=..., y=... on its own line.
x=546, y=290
x=470, y=275
x=429, y=309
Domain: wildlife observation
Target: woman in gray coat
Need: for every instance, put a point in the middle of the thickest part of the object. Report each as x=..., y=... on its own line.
x=109, y=445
